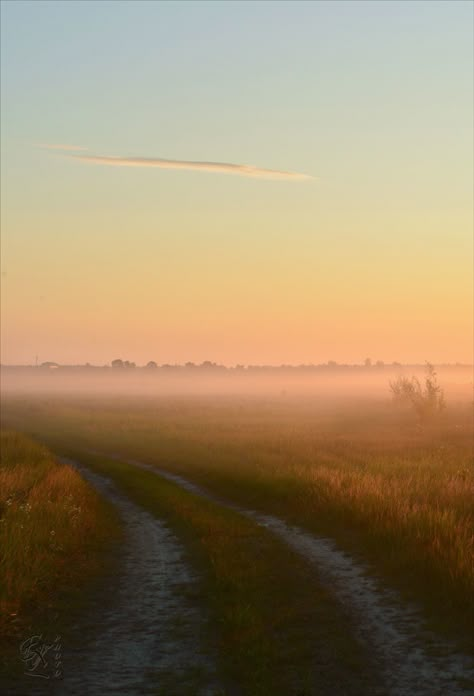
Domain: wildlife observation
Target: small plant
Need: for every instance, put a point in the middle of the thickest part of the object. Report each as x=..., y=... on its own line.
x=426, y=400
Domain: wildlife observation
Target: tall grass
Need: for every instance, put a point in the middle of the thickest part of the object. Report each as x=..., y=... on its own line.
x=53, y=528
x=399, y=495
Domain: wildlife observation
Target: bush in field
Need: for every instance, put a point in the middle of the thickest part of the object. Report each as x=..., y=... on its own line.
x=427, y=400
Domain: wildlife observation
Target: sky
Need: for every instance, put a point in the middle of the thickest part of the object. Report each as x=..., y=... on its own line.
x=241, y=182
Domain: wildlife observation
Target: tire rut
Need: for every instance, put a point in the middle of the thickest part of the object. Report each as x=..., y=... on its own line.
x=411, y=660
x=150, y=638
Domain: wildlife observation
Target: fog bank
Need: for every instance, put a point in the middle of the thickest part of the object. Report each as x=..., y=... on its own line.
x=325, y=380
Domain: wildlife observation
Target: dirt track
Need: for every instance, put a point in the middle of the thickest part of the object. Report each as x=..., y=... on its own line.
x=149, y=637
x=411, y=661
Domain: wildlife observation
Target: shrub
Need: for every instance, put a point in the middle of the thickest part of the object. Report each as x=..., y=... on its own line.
x=427, y=400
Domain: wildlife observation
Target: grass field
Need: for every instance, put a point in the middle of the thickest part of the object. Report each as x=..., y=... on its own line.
x=270, y=617
x=398, y=495
x=54, y=529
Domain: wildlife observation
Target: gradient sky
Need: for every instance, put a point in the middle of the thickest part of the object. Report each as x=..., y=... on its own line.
x=370, y=257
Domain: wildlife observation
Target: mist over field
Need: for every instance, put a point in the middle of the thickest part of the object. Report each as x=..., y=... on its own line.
x=325, y=382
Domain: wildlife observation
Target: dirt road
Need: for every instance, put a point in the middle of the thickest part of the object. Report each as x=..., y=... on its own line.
x=411, y=660
x=149, y=637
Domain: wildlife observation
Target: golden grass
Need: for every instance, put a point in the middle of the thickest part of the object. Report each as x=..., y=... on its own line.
x=399, y=495
x=53, y=528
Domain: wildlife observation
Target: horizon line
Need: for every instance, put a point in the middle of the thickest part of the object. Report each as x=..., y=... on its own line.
x=331, y=364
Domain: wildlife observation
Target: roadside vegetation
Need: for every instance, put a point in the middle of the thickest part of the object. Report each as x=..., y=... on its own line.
x=277, y=630
x=389, y=491
x=53, y=532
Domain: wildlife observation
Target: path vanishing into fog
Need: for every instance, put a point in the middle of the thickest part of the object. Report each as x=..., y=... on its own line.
x=411, y=660
x=149, y=638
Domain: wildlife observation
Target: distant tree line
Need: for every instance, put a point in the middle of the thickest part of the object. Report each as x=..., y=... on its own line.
x=330, y=366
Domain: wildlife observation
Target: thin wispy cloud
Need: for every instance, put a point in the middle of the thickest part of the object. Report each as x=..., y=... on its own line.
x=160, y=163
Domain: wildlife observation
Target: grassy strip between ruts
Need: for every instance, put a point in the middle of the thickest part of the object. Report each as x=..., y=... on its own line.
x=279, y=631
x=54, y=530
